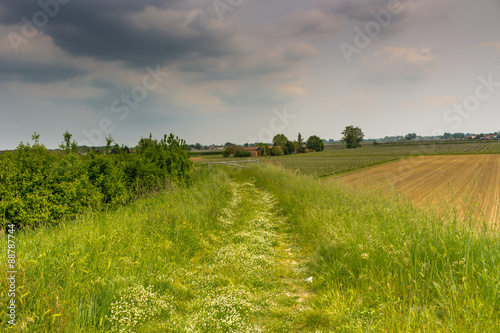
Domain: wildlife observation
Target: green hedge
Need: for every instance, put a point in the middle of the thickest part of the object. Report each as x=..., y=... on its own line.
x=38, y=186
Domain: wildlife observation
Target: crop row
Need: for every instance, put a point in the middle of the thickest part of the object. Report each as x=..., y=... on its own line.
x=337, y=159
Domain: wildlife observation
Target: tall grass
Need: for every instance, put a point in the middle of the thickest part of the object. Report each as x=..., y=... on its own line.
x=382, y=265
x=188, y=259
x=69, y=275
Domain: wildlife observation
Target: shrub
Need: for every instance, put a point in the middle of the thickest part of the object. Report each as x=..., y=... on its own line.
x=242, y=153
x=277, y=151
x=235, y=151
x=37, y=186
x=229, y=151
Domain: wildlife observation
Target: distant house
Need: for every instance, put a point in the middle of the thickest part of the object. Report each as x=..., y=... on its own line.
x=254, y=151
x=490, y=136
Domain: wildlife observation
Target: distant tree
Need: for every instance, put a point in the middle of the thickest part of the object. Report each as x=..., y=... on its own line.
x=36, y=137
x=198, y=146
x=227, y=144
x=120, y=150
x=264, y=148
x=276, y=151
x=299, y=144
x=410, y=136
x=246, y=144
x=109, y=141
x=315, y=143
x=447, y=136
x=290, y=147
x=352, y=136
x=235, y=151
x=281, y=141
x=67, y=145
x=230, y=150
x=242, y=153
x=145, y=144
x=116, y=149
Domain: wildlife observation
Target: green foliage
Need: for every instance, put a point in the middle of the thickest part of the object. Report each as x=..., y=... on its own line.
x=299, y=145
x=89, y=272
x=38, y=187
x=289, y=147
x=67, y=145
x=242, y=153
x=169, y=156
x=235, y=151
x=315, y=143
x=459, y=136
x=264, y=148
x=276, y=151
x=280, y=140
x=410, y=136
x=106, y=175
x=109, y=141
x=352, y=137
x=229, y=151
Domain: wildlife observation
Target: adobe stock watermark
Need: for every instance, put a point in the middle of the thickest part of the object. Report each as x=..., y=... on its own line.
x=277, y=124
x=122, y=106
x=364, y=37
x=30, y=28
x=222, y=7
x=471, y=103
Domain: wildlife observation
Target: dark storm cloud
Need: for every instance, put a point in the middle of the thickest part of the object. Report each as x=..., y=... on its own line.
x=37, y=73
x=106, y=30
x=11, y=12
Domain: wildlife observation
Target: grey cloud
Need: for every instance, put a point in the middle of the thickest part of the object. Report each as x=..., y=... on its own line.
x=37, y=73
x=359, y=10
x=104, y=30
x=312, y=23
x=398, y=63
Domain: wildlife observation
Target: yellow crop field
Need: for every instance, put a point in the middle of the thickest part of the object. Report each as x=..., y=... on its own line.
x=465, y=185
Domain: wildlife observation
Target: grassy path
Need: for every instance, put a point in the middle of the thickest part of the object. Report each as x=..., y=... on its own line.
x=253, y=279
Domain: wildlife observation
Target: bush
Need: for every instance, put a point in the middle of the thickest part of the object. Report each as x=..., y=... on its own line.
x=277, y=151
x=229, y=151
x=37, y=186
x=109, y=178
x=235, y=151
x=242, y=153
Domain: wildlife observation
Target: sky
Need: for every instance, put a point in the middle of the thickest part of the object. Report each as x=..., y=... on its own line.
x=213, y=71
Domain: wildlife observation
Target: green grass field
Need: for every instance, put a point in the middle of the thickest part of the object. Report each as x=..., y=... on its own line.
x=336, y=159
x=257, y=250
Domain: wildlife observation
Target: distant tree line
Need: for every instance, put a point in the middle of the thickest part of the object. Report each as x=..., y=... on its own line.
x=281, y=145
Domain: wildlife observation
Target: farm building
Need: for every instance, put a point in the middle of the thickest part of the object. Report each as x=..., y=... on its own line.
x=254, y=151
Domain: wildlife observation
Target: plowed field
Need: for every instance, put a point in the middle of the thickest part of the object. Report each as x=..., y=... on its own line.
x=468, y=185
